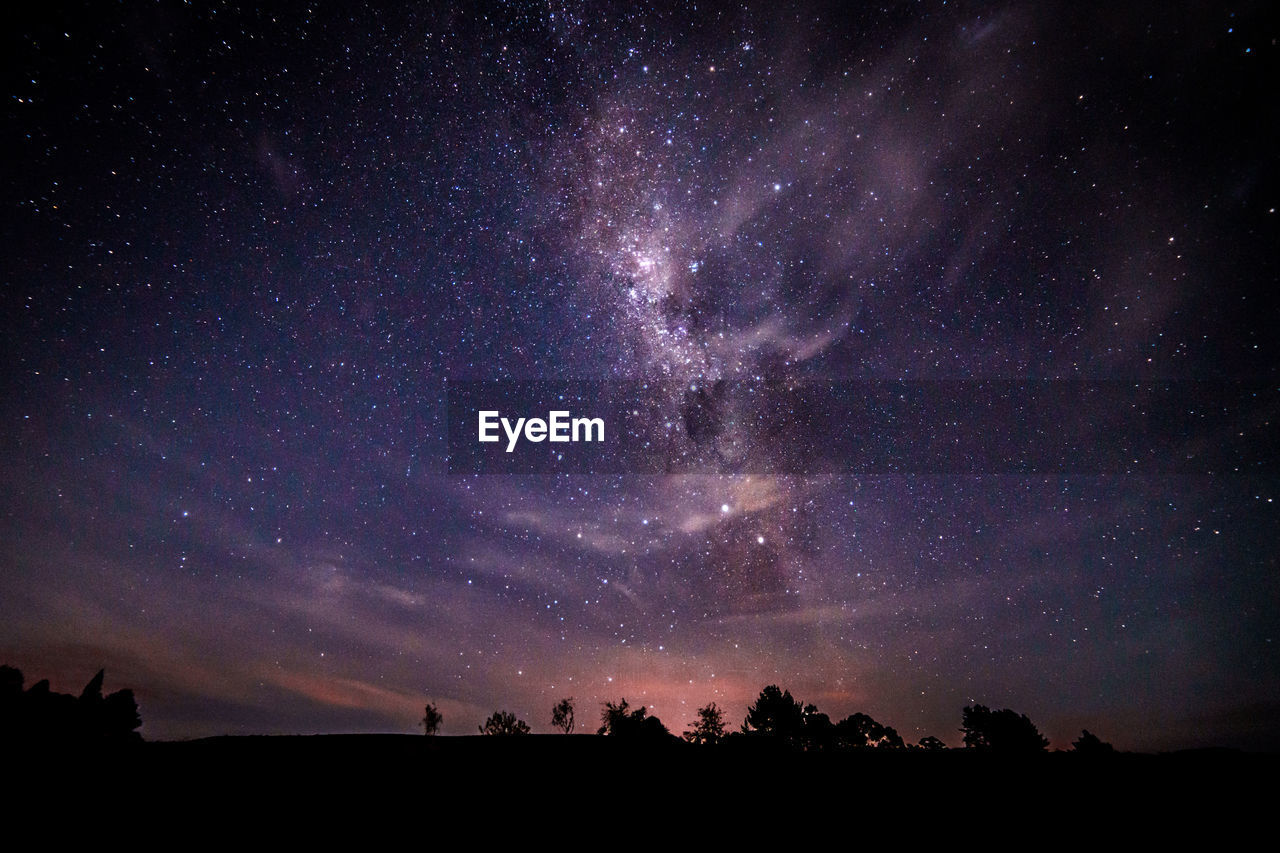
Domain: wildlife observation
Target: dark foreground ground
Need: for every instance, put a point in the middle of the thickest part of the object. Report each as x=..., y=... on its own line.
x=398, y=778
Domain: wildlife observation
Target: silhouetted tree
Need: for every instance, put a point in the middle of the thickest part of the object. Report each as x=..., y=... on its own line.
x=113, y=716
x=858, y=731
x=1003, y=731
x=931, y=743
x=615, y=719
x=708, y=728
x=504, y=723
x=621, y=720
x=119, y=715
x=39, y=714
x=431, y=719
x=92, y=691
x=775, y=713
x=1090, y=744
x=819, y=732
x=562, y=715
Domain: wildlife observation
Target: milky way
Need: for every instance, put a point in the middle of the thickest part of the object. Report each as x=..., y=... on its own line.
x=248, y=250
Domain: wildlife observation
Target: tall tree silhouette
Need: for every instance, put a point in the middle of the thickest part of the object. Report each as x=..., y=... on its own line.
x=708, y=729
x=775, y=713
x=431, y=719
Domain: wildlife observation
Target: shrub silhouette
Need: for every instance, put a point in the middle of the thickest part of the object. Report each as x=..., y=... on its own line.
x=504, y=723
x=1090, y=744
x=621, y=720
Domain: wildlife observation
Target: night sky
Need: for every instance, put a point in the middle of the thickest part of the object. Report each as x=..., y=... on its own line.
x=246, y=251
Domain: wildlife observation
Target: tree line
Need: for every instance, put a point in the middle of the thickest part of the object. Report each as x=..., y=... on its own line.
x=777, y=715
x=39, y=714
